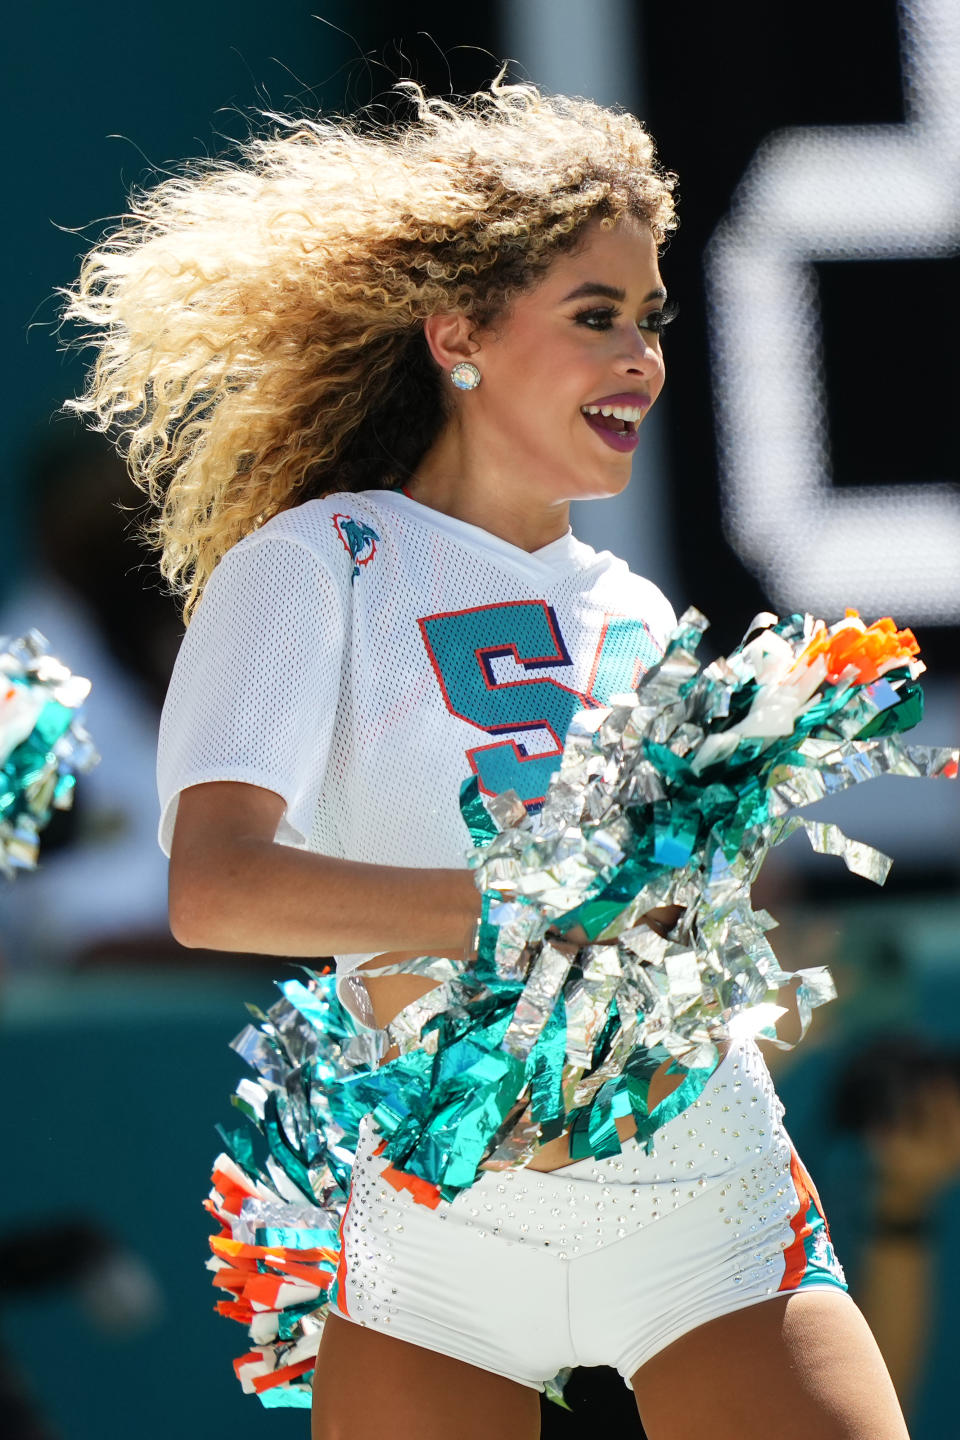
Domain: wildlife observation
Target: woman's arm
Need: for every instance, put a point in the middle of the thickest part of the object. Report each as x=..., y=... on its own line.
x=232, y=887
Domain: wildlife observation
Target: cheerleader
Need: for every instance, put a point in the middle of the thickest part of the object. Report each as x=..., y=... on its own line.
x=362, y=372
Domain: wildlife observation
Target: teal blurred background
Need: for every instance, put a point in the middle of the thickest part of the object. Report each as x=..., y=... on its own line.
x=99, y=99
x=119, y=1081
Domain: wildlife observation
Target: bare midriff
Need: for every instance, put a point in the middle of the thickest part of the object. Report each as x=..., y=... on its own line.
x=389, y=994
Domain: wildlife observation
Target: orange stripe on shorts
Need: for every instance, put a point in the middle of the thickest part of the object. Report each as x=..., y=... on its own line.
x=423, y=1191
x=795, y=1256
x=342, y=1262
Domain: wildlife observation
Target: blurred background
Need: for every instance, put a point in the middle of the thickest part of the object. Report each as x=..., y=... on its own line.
x=804, y=456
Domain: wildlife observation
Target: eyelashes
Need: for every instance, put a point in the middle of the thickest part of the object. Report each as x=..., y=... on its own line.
x=601, y=317
x=658, y=320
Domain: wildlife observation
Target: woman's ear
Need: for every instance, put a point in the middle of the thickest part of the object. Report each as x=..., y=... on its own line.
x=449, y=338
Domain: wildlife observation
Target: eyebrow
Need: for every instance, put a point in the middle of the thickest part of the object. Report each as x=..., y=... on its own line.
x=609, y=292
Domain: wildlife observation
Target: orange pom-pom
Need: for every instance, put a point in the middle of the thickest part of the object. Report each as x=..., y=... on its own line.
x=870, y=651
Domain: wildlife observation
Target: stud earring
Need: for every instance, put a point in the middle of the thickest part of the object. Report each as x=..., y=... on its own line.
x=465, y=375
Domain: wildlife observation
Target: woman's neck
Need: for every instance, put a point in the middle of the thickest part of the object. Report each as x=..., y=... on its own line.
x=447, y=479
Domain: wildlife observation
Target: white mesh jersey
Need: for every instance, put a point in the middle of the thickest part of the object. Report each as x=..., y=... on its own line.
x=362, y=655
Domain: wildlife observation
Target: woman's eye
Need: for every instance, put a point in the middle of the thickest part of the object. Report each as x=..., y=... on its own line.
x=658, y=320
x=596, y=319
x=604, y=318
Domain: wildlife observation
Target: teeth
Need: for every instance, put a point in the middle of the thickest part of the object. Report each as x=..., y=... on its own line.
x=633, y=413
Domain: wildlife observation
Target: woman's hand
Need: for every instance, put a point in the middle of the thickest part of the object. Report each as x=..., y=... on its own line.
x=662, y=919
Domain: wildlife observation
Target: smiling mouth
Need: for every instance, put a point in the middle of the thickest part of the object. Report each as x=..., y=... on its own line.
x=616, y=425
x=620, y=419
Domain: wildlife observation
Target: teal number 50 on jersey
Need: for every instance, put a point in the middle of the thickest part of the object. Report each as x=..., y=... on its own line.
x=462, y=646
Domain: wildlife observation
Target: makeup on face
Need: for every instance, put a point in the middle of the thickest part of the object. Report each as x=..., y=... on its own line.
x=569, y=373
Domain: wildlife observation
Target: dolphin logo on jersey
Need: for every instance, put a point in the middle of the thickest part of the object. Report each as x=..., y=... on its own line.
x=359, y=541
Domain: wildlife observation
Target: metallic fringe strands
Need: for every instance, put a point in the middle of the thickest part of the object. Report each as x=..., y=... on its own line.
x=278, y=1248
x=673, y=795
x=42, y=745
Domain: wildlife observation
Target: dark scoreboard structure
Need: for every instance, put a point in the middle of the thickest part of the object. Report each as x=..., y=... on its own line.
x=821, y=220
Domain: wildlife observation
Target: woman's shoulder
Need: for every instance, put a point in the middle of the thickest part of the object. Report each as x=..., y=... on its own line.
x=338, y=530
x=629, y=593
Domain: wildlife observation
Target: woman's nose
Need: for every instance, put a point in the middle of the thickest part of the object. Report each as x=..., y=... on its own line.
x=639, y=357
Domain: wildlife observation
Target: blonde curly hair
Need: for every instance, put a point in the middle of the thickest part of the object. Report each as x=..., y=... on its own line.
x=259, y=323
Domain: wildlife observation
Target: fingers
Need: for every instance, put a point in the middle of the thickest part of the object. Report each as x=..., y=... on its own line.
x=663, y=918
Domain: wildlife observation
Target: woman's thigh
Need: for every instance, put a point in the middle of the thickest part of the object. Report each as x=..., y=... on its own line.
x=371, y=1386
x=797, y=1367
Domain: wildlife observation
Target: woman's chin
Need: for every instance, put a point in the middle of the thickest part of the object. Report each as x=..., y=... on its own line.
x=604, y=486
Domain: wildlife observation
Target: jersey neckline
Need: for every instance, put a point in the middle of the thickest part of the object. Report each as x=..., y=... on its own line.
x=559, y=556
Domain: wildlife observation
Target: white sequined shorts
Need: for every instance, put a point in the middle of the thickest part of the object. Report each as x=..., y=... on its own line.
x=603, y=1262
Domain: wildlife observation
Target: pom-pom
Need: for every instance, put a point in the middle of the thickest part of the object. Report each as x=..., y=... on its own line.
x=278, y=1247
x=42, y=745
x=670, y=797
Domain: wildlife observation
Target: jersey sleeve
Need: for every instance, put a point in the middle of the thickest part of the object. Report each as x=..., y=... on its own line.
x=253, y=695
x=648, y=602
x=662, y=618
